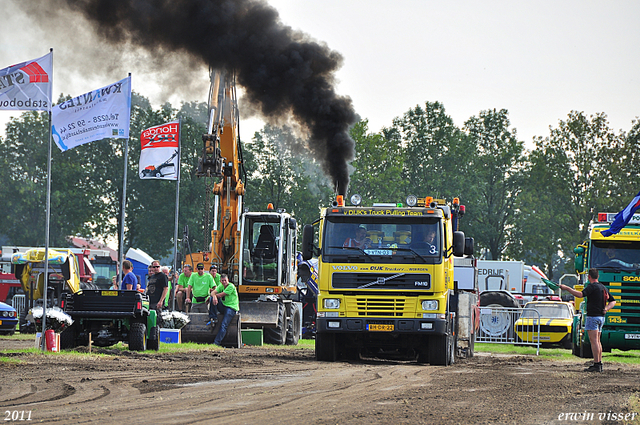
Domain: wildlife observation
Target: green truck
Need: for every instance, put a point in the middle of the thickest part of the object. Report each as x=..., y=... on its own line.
x=617, y=258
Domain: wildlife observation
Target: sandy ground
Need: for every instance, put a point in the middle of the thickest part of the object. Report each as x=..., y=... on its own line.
x=256, y=385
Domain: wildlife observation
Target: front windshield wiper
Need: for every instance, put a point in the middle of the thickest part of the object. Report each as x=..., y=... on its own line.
x=380, y=280
x=353, y=247
x=412, y=250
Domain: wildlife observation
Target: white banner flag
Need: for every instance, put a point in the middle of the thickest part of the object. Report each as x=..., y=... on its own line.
x=99, y=114
x=159, y=152
x=27, y=85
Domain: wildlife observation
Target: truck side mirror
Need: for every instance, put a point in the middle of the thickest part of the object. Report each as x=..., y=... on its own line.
x=458, y=244
x=469, y=246
x=578, y=262
x=292, y=224
x=307, y=242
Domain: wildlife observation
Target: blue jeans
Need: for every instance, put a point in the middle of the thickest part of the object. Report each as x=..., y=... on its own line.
x=227, y=315
x=594, y=323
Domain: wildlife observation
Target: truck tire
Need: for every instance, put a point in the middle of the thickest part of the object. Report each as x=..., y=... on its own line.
x=501, y=324
x=153, y=343
x=138, y=337
x=293, y=327
x=277, y=335
x=440, y=350
x=497, y=299
x=585, y=350
x=68, y=338
x=326, y=347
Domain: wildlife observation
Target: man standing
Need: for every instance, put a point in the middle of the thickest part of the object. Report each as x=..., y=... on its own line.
x=157, y=287
x=129, y=281
x=225, y=299
x=597, y=307
x=181, y=287
x=198, y=291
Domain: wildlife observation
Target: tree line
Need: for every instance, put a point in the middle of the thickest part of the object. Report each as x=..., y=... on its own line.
x=523, y=204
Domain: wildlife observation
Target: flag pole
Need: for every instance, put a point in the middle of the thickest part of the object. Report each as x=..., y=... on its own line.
x=175, y=232
x=122, y=208
x=47, y=221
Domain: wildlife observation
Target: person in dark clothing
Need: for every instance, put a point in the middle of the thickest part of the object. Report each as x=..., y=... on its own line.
x=597, y=307
x=157, y=287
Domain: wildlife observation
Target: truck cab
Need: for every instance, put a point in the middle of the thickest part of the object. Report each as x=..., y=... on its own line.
x=617, y=258
x=386, y=279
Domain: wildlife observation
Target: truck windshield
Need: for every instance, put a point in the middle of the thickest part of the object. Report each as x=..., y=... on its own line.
x=617, y=256
x=370, y=239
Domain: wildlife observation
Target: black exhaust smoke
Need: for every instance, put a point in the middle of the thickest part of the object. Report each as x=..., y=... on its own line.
x=283, y=71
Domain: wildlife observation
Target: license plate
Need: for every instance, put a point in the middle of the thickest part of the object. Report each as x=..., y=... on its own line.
x=109, y=293
x=631, y=336
x=380, y=328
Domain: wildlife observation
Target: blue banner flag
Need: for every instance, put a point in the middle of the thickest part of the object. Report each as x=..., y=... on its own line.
x=622, y=218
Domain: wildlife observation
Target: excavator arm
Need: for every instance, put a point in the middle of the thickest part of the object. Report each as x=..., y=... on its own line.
x=221, y=159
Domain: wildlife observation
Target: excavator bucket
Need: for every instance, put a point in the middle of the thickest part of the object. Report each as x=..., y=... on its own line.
x=259, y=314
x=197, y=330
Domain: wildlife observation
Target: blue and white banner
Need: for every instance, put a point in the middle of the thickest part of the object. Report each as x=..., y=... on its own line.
x=622, y=218
x=27, y=85
x=96, y=115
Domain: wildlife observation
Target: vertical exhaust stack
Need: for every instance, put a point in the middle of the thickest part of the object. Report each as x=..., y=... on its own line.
x=284, y=72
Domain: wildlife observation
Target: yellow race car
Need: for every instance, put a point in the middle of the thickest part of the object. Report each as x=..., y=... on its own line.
x=555, y=319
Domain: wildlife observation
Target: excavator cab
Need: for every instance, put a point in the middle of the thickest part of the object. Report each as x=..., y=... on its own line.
x=261, y=244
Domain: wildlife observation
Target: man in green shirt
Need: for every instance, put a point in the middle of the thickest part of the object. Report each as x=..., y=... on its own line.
x=199, y=290
x=183, y=284
x=225, y=299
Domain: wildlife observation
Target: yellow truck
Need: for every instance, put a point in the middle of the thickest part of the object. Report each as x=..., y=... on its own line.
x=386, y=281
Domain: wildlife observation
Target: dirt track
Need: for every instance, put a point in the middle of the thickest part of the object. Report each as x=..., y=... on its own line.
x=287, y=386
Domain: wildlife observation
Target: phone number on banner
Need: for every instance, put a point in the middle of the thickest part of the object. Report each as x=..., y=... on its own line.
x=83, y=123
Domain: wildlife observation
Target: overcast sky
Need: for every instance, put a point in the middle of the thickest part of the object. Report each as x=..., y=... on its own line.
x=539, y=60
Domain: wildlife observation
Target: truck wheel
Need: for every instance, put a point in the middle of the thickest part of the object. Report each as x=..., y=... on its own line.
x=440, y=350
x=138, y=336
x=277, y=335
x=585, y=350
x=326, y=347
x=497, y=325
x=153, y=343
x=293, y=327
x=68, y=338
x=497, y=299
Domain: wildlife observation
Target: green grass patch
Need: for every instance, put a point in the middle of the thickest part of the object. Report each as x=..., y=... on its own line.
x=20, y=337
x=9, y=360
x=631, y=357
x=527, y=350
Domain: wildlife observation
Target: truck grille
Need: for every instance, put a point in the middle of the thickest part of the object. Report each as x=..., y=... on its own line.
x=379, y=307
x=414, y=281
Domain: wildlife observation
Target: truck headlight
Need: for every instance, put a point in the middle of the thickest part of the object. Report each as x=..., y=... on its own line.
x=430, y=305
x=331, y=303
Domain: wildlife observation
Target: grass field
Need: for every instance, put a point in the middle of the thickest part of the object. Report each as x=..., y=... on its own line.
x=631, y=357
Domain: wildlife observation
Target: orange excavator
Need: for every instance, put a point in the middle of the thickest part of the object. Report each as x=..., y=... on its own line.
x=256, y=249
